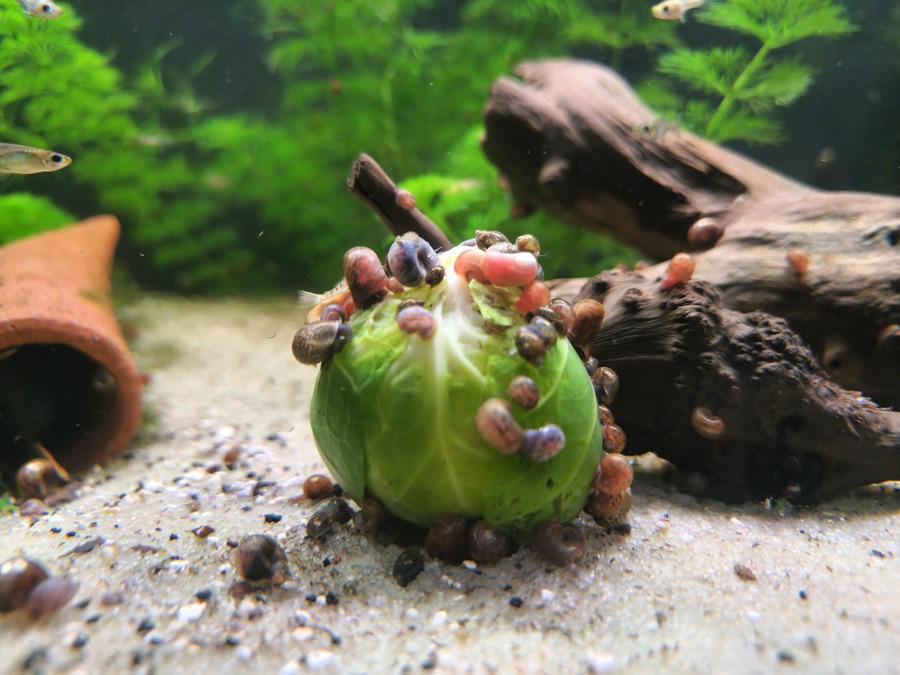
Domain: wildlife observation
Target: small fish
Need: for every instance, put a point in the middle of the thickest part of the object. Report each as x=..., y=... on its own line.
x=674, y=10
x=42, y=8
x=655, y=130
x=25, y=159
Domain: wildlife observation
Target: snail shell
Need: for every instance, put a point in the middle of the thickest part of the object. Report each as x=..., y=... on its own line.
x=543, y=443
x=613, y=438
x=565, y=315
x=487, y=544
x=484, y=239
x=606, y=416
x=531, y=345
x=589, y=315
x=327, y=516
x=49, y=596
x=333, y=312
x=405, y=200
x=39, y=478
x=614, y=475
x=680, y=270
x=528, y=243
x=416, y=320
x=561, y=545
x=315, y=342
x=259, y=557
x=446, y=539
x=704, y=233
x=18, y=577
x=706, y=424
x=545, y=329
x=468, y=265
x=369, y=515
x=609, y=510
x=524, y=391
x=509, y=269
x=606, y=384
x=435, y=275
x=498, y=427
x=365, y=276
x=318, y=486
x=533, y=296
x=409, y=259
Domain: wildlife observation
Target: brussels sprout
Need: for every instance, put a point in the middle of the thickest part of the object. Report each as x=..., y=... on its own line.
x=394, y=411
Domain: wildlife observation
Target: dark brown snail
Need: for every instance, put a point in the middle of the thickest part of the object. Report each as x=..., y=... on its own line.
x=606, y=384
x=558, y=544
x=260, y=558
x=327, y=516
x=704, y=233
x=365, y=276
x=318, y=486
x=18, y=577
x=39, y=478
x=589, y=315
x=531, y=345
x=487, y=545
x=316, y=342
x=446, y=539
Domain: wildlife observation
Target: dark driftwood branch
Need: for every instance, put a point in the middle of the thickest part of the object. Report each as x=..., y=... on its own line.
x=736, y=401
x=565, y=140
x=371, y=184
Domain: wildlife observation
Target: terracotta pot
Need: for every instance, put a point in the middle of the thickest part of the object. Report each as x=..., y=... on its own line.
x=67, y=379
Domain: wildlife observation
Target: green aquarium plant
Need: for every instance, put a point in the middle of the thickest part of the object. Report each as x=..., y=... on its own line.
x=742, y=86
x=451, y=390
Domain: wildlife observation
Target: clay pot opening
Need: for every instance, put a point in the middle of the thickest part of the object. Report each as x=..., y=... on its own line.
x=60, y=397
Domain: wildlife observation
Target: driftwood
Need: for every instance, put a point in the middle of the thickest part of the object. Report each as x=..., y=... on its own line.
x=735, y=400
x=575, y=141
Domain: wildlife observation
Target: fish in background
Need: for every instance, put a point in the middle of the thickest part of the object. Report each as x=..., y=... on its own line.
x=674, y=10
x=42, y=8
x=25, y=159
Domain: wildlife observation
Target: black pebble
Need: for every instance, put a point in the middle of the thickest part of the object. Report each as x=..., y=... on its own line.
x=516, y=601
x=173, y=537
x=232, y=641
x=56, y=530
x=203, y=595
x=145, y=626
x=273, y=517
x=80, y=641
x=331, y=598
x=408, y=566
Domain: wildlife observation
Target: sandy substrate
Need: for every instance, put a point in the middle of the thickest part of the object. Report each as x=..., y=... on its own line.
x=826, y=598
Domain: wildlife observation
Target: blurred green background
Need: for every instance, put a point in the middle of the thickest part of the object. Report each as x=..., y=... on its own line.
x=221, y=133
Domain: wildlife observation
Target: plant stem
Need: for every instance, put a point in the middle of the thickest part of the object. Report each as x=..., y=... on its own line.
x=724, y=109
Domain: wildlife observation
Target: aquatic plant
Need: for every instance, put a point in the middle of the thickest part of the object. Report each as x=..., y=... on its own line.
x=742, y=86
x=24, y=214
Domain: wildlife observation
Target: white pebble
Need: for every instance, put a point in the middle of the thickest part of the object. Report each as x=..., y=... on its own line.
x=244, y=653
x=439, y=618
x=319, y=658
x=598, y=664
x=302, y=634
x=547, y=595
x=191, y=612
x=686, y=538
x=290, y=668
x=754, y=616
x=411, y=614
x=470, y=564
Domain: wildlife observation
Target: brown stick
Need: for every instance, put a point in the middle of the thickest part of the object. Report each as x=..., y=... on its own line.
x=372, y=185
x=828, y=263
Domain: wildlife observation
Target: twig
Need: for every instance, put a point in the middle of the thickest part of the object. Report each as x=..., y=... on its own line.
x=372, y=185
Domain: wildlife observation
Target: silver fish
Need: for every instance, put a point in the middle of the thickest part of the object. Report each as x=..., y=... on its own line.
x=42, y=8
x=25, y=159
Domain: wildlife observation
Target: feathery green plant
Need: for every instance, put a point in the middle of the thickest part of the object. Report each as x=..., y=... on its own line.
x=743, y=86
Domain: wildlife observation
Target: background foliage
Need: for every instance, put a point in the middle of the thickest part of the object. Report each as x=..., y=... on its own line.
x=222, y=134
